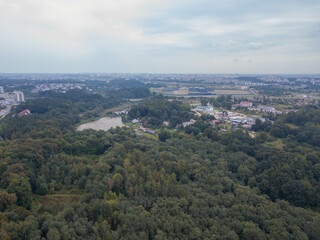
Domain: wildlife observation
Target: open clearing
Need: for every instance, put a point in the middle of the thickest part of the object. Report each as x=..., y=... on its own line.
x=102, y=124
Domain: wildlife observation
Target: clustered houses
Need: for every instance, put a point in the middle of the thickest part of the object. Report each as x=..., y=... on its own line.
x=233, y=118
x=267, y=109
x=10, y=99
x=4, y=112
x=184, y=124
x=57, y=86
x=260, y=108
x=142, y=129
x=123, y=112
x=302, y=102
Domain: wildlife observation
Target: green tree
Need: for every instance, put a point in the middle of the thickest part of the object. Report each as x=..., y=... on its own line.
x=21, y=187
x=6, y=200
x=164, y=135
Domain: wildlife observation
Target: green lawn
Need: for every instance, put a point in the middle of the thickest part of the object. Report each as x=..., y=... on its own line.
x=275, y=144
x=292, y=126
x=228, y=126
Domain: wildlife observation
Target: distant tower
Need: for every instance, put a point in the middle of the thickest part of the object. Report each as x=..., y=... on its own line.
x=19, y=96
x=1, y=90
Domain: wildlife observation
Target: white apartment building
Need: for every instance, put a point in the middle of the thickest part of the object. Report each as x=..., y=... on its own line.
x=19, y=96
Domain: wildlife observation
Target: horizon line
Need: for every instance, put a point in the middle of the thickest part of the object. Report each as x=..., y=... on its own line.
x=175, y=73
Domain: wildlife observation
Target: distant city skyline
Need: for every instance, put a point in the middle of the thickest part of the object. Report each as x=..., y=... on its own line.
x=161, y=36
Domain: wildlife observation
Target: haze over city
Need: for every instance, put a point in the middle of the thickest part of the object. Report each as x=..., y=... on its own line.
x=165, y=36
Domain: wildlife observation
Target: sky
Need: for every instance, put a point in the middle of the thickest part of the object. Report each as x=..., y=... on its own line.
x=160, y=36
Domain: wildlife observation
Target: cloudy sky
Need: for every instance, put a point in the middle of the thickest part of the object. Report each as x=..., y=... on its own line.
x=160, y=36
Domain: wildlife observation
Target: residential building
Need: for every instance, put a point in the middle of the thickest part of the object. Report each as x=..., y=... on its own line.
x=246, y=104
x=235, y=106
x=135, y=121
x=166, y=123
x=214, y=122
x=24, y=113
x=207, y=109
x=191, y=122
x=147, y=130
x=266, y=108
x=19, y=96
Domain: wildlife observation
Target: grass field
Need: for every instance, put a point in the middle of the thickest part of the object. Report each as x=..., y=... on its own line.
x=275, y=144
x=292, y=126
x=281, y=106
x=58, y=200
x=215, y=92
x=181, y=92
x=225, y=125
x=231, y=92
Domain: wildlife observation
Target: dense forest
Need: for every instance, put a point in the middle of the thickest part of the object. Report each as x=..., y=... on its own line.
x=58, y=183
x=299, y=127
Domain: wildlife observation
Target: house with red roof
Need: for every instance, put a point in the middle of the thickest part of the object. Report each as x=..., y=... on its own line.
x=24, y=113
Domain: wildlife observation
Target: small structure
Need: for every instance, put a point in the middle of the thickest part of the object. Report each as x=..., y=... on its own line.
x=214, y=122
x=250, y=120
x=235, y=106
x=135, y=121
x=233, y=127
x=266, y=109
x=246, y=104
x=191, y=122
x=246, y=126
x=165, y=123
x=147, y=130
x=207, y=109
x=236, y=120
x=125, y=112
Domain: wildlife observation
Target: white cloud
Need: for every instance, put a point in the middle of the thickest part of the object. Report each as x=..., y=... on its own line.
x=68, y=24
x=151, y=32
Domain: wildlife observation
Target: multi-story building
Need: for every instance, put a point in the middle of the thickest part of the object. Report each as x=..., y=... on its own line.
x=19, y=96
